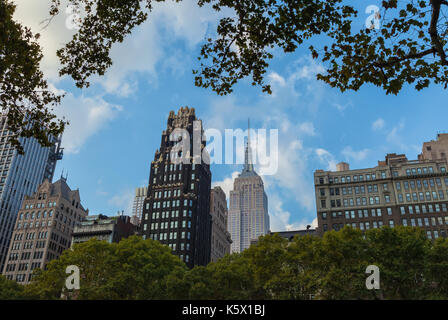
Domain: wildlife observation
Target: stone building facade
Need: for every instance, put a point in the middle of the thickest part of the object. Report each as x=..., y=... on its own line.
x=43, y=229
x=397, y=191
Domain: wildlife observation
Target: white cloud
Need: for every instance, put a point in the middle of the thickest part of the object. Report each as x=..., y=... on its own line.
x=280, y=219
x=86, y=115
x=139, y=53
x=226, y=184
x=309, y=69
x=341, y=107
x=123, y=201
x=326, y=158
x=349, y=153
x=300, y=81
x=307, y=128
x=378, y=124
x=394, y=137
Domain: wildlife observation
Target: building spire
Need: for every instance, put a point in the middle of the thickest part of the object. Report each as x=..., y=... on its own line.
x=248, y=165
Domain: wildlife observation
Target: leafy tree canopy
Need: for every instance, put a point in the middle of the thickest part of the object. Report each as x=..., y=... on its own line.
x=24, y=94
x=131, y=269
x=10, y=290
x=331, y=267
x=408, y=47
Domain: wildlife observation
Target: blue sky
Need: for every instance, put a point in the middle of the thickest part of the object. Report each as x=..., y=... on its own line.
x=116, y=124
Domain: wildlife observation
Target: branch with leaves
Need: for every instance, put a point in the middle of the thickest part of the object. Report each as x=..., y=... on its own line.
x=408, y=48
x=25, y=98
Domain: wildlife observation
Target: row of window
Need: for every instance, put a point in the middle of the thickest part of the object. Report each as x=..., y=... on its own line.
x=164, y=225
x=412, y=184
x=363, y=201
x=348, y=179
x=34, y=215
x=428, y=196
x=40, y=205
x=426, y=183
x=173, y=167
x=170, y=236
x=37, y=224
x=421, y=222
x=166, y=214
x=381, y=174
x=366, y=213
x=424, y=208
x=166, y=204
x=166, y=194
x=362, y=225
x=435, y=221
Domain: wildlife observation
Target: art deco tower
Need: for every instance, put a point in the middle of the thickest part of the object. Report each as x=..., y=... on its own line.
x=248, y=215
x=177, y=207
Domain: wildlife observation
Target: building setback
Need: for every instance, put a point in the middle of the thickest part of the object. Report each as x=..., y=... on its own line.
x=20, y=175
x=435, y=149
x=396, y=192
x=177, y=207
x=103, y=228
x=221, y=239
x=43, y=229
x=137, y=207
x=248, y=214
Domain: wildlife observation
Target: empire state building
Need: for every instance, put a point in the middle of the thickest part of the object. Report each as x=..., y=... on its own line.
x=248, y=217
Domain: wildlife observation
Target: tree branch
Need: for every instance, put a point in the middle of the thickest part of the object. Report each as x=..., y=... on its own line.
x=433, y=30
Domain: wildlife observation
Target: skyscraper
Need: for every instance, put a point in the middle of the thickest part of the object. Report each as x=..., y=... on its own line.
x=137, y=207
x=248, y=215
x=43, y=229
x=20, y=175
x=221, y=239
x=177, y=207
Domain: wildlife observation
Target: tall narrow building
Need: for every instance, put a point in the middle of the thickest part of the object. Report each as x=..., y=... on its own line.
x=20, y=175
x=221, y=239
x=43, y=229
x=137, y=207
x=248, y=215
x=177, y=207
